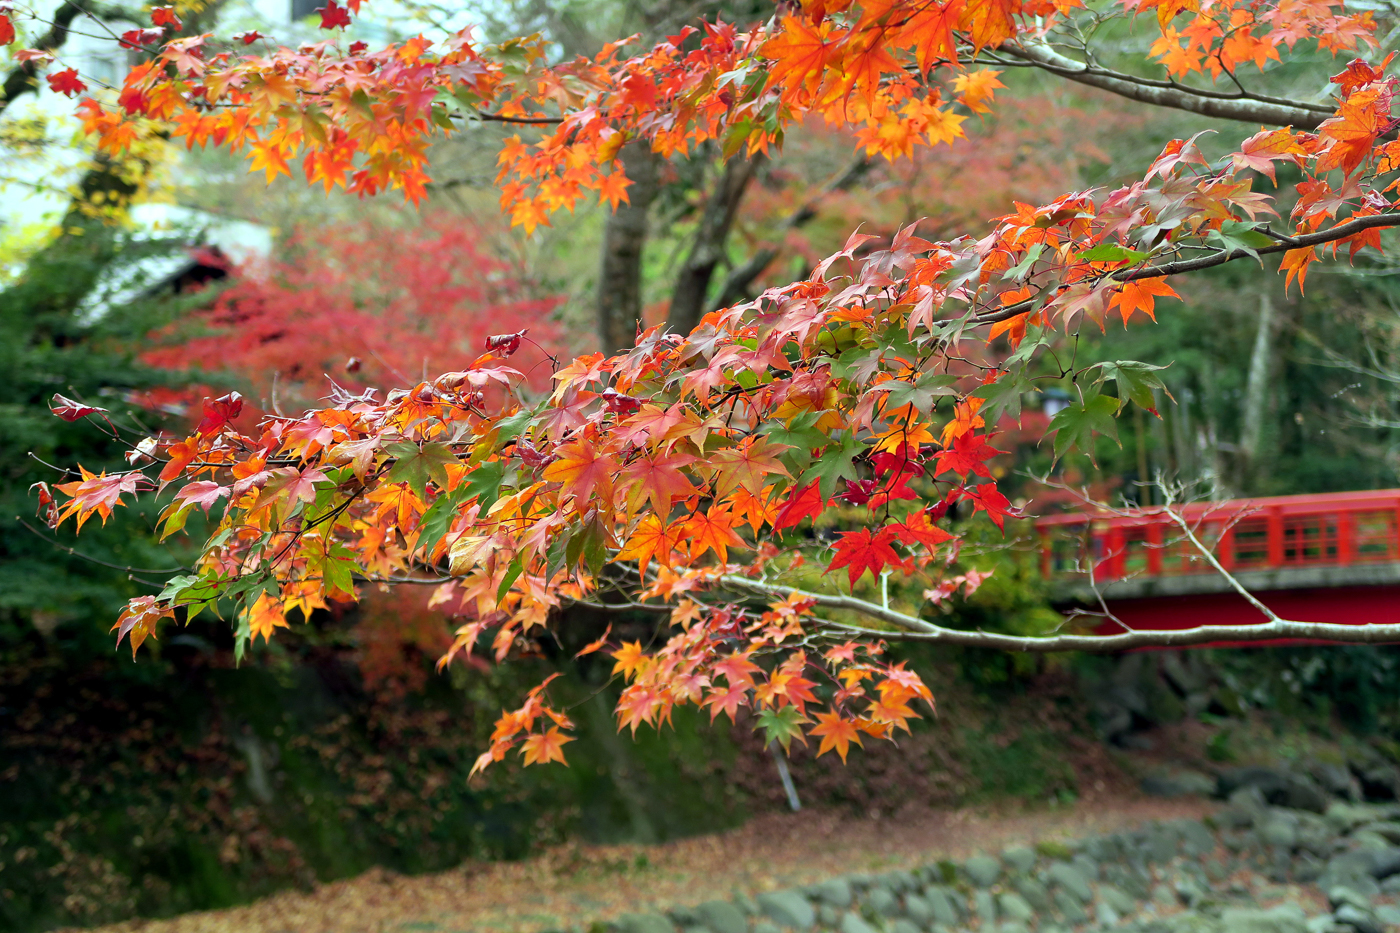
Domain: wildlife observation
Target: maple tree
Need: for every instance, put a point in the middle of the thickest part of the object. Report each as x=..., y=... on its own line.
x=683, y=476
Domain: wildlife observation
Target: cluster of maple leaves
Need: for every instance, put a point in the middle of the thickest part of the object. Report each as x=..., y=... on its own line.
x=694, y=467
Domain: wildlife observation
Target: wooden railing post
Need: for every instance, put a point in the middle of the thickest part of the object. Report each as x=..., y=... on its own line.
x=1114, y=543
x=1346, y=537
x=1274, y=524
x=1154, y=549
x=1225, y=548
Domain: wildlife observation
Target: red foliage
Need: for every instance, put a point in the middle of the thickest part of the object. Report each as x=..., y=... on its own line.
x=399, y=302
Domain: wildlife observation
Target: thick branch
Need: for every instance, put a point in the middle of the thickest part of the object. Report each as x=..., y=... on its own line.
x=688, y=297
x=624, y=238
x=912, y=628
x=736, y=284
x=1241, y=106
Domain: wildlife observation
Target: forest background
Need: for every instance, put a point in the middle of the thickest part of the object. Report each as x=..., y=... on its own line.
x=182, y=782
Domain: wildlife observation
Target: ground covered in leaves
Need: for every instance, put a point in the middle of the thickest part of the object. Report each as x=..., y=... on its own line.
x=574, y=884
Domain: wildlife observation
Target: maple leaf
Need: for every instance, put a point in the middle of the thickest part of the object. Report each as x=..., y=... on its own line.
x=69, y=410
x=652, y=539
x=747, y=465
x=976, y=89
x=859, y=551
x=799, y=54
x=218, y=412
x=582, y=469
x=987, y=498
x=266, y=614
x=138, y=621
x=967, y=456
x=333, y=16
x=66, y=82
x=836, y=733
x=657, y=479
x=165, y=16
x=712, y=530
x=203, y=493
x=630, y=658
x=1139, y=295
x=727, y=701
x=1266, y=147
x=595, y=645
x=542, y=748
x=918, y=528
x=803, y=502
x=7, y=29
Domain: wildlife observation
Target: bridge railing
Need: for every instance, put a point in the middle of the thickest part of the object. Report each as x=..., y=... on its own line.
x=1244, y=535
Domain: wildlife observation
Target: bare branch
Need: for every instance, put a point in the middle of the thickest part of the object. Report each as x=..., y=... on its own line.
x=1242, y=105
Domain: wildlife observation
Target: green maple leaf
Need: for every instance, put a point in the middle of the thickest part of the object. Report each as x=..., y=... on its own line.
x=1076, y=425
x=782, y=725
x=416, y=465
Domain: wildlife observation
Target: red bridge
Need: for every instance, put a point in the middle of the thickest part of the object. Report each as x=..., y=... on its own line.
x=1313, y=558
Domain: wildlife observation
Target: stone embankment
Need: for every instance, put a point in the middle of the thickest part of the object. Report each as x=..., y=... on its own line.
x=1254, y=867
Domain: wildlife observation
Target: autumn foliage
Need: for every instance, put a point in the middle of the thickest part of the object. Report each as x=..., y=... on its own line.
x=684, y=477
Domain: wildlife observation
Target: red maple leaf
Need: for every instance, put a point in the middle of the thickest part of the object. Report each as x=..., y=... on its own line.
x=165, y=16
x=987, y=498
x=219, y=412
x=801, y=502
x=859, y=551
x=333, y=16
x=69, y=410
x=967, y=455
x=66, y=82
x=7, y=30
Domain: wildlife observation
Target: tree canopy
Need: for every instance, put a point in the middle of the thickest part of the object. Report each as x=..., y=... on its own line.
x=686, y=475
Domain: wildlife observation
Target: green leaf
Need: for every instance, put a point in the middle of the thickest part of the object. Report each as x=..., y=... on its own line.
x=513, y=573
x=782, y=725
x=1236, y=235
x=1021, y=268
x=1076, y=425
x=799, y=432
x=508, y=429
x=1112, y=252
x=438, y=518
x=1135, y=382
x=920, y=393
x=834, y=464
x=1003, y=397
x=485, y=483
x=416, y=465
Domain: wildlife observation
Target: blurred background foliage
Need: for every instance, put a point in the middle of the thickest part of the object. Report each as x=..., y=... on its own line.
x=180, y=782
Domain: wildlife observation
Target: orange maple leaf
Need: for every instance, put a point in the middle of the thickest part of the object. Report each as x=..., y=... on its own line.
x=582, y=469
x=836, y=733
x=799, y=54
x=712, y=530
x=1139, y=295
x=266, y=614
x=542, y=748
x=653, y=539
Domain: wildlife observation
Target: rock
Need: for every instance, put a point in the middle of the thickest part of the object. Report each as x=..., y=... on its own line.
x=1379, y=780
x=1122, y=904
x=1278, y=828
x=1018, y=860
x=1190, y=892
x=1161, y=844
x=1388, y=914
x=1306, y=869
x=828, y=916
x=1196, y=839
x=945, y=909
x=918, y=910
x=1053, y=848
x=787, y=908
x=721, y=917
x=1070, y=907
x=1068, y=878
x=1087, y=867
x=1336, y=779
x=1280, y=788
x=855, y=923
x=1391, y=885
x=1343, y=817
x=1178, y=783
x=1015, y=907
x=882, y=902
x=904, y=926
x=766, y=926
x=1013, y=926
x=1285, y=918
x=900, y=881
x=1369, y=841
x=982, y=870
x=1340, y=894
x=1385, y=863
x=1034, y=892
x=645, y=923
x=1362, y=921
x=836, y=892
x=1104, y=915
x=986, y=907
x=1387, y=829
x=1163, y=895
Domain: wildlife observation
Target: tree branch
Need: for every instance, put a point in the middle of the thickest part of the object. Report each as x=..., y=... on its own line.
x=912, y=628
x=717, y=219
x=1242, y=106
x=740, y=277
x=1218, y=258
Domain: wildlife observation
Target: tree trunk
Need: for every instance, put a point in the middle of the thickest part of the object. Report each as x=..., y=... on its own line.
x=624, y=239
x=693, y=284
x=1256, y=395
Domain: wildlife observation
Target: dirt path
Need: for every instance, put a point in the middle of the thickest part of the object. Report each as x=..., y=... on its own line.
x=580, y=884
